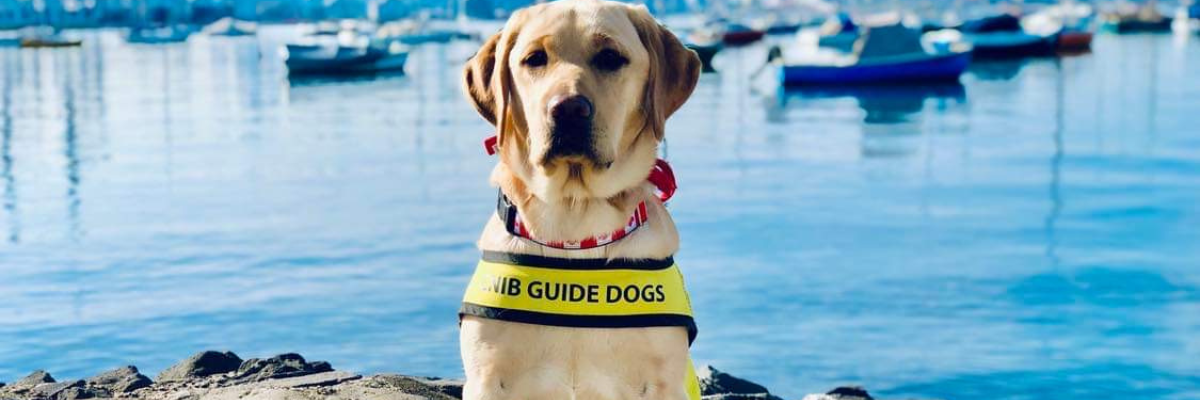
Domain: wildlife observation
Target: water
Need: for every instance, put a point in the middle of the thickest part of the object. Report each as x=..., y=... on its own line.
x=1030, y=234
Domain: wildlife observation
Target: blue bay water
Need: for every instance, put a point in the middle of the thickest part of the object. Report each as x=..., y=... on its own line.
x=1030, y=234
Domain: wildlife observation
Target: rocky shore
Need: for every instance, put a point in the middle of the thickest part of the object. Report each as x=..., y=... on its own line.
x=225, y=376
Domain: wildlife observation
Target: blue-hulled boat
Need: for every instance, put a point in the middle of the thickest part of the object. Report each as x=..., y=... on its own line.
x=889, y=54
x=1012, y=44
x=336, y=59
x=1002, y=36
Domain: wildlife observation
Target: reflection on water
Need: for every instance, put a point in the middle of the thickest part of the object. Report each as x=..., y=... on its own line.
x=891, y=114
x=1033, y=227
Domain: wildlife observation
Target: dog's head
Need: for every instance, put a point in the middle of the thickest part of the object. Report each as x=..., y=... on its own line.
x=579, y=91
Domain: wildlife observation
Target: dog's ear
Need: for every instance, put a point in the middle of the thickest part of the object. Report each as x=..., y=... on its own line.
x=674, y=70
x=477, y=79
x=488, y=81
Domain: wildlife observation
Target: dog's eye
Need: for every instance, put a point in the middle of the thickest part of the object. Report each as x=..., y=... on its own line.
x=535, y=59
x=609, y=60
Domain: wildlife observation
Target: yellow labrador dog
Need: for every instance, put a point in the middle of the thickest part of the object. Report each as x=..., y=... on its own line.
x=577, y=296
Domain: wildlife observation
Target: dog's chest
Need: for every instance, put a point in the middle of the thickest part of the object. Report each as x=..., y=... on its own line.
x=584, y=363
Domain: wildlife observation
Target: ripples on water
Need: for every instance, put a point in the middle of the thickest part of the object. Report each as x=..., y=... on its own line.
x=1031, y=233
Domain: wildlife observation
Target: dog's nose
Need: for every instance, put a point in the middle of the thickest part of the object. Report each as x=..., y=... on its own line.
x=567, y=108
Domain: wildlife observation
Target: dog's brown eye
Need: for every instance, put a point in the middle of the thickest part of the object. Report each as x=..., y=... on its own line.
x=609, y=60
x=535, y=59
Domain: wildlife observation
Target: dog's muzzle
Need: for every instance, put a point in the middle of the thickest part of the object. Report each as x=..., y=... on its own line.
x=571, y=133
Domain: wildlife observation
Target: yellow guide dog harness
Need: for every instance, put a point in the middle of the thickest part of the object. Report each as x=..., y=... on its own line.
x=583, y=293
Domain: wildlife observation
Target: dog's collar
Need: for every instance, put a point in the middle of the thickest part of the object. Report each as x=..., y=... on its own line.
x=661, y=176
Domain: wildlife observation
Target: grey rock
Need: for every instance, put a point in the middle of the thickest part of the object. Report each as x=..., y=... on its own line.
x=73, y=393
x=740, y=396
x=842, y=393
x=121, y=380
x=431, y=388
x=281, y=366
x=714, y=381
x=53, y=389
x=201, y=364
x=36, y=378
x=314, y=380
x=850, y=393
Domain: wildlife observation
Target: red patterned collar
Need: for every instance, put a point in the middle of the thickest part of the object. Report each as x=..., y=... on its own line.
x=661, y=176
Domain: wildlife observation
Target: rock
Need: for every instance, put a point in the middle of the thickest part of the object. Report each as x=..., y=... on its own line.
x=36, y=378
x=52, y=390
x=201, y=364
x=121, y=380
x=431, y=388
x=713, y=382
x=313, y=380
x=74, y=393
x=741, y=396
x=280, y=366
x=842, y=393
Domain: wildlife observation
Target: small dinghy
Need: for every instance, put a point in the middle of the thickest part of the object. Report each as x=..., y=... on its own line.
x=885, y=55
x=231, y=27
x=48, y=41
x=338, y=59
x=159, y=35
x=41, y=37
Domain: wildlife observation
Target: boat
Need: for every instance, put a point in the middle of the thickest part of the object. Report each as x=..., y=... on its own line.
x=340, y=59
x=39, y=37
x=706, y=52
x=1139, y=19
x=414, y=32
x=1012, y=45
x=839, y=33
x=886, y=55
x=231, y=27
x=879, y=100
x=783, y=28
x=159, y=35
x=433, y=36
x=706, y=43
x=740, y=35
x=1070, y=41
x=48, y=41
x=1071, y=21
x=1002, y=36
